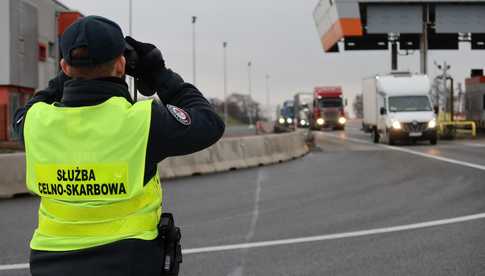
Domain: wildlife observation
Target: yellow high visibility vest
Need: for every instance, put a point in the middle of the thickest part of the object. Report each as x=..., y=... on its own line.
x=87, y=164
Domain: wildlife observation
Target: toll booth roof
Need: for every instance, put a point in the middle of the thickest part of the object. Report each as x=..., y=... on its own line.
x=366, y=24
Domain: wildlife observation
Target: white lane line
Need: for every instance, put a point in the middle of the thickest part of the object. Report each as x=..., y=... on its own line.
x=239, y=269
x=14, y=266
x=422, y=154
x=257, y=196
x=353, y=128
x=474, y=145
x=338, y=236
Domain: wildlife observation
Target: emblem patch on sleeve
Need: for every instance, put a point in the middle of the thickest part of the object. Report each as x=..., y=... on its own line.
x=180, y=115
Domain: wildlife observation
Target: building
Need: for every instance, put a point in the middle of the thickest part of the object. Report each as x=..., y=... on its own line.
x=30, y=52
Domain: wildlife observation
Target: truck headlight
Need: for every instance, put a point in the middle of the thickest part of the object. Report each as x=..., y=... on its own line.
x=289, y=120
x=281, y=120
x=432, y=123
x=396, y=125
x=302, y=122
x=342, y=120
x=320, y=121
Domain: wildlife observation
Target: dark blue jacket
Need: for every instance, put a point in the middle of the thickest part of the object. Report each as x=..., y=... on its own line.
x=167, y=137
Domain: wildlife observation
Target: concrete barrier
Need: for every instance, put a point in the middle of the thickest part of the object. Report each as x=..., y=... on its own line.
x=227, y=154
x=12, y=174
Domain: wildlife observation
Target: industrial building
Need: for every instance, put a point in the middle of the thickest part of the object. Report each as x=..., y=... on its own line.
x=30, y=52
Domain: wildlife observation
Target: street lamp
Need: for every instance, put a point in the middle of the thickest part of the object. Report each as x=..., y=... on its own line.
x=130, y=31
x=249, y=78
x=130, y=27
x=224, y=46
x=194, y=20
x=267, y=96
x=250, y=109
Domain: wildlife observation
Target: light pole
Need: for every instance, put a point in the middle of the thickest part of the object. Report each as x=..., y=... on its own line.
x=250, y=109
x=267, y=97
x=194, y=20
x=224, y=46
x=130, y=27
x=130, y=31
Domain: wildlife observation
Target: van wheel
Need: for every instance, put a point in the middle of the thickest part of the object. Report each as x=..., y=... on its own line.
x=375, y=136
x=390, y=139
x=433, y=141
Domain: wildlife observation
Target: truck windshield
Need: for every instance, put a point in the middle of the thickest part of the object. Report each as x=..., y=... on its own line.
x=409, y=104
x=335, y=102
x=287, y=112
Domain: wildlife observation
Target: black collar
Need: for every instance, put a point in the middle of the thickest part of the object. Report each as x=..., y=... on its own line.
x=78, y=92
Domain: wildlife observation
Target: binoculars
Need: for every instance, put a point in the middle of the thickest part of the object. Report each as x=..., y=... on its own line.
x=132, y=61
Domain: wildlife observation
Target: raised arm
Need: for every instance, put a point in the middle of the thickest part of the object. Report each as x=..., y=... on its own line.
x=184, y=122
x=52, y=93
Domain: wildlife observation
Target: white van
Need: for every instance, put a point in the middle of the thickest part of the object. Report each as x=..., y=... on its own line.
x=398, y=107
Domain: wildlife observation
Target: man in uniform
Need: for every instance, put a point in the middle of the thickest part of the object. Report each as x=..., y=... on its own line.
x=92, y=153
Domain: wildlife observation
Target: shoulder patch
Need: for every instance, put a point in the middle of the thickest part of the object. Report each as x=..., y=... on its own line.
x=180, y=115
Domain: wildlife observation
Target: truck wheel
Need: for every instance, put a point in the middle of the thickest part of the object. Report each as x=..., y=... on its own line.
x=375, y=136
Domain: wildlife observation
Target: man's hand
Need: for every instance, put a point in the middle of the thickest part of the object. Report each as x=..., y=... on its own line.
x=148, y=69
x=149, y=59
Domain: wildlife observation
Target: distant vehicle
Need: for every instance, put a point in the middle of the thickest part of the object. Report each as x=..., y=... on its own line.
x=397, y=107
x=302, y=103
x=327, y=110
x=286, y=118
x=475, y=98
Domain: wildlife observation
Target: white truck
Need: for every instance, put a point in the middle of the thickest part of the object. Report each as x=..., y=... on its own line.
x=398, y=107
x=303, y=102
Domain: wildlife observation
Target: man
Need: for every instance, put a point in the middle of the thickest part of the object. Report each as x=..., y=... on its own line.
x=92, y=153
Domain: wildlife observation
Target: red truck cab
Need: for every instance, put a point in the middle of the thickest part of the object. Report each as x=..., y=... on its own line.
x=328, y=108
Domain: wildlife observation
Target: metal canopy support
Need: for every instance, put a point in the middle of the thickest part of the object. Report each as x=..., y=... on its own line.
x=394, y=65
x=424, y=40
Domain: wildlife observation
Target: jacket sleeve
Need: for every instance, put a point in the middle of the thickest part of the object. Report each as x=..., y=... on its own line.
x=168, y=136
x=49, y=95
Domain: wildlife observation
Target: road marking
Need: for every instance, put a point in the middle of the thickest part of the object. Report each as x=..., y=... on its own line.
x=475, y=145
x=239, y=269
x=353, y=128
x=310, y=239
x=336, y=236
x=422, y=154
x=14, y=266
x=257, y=196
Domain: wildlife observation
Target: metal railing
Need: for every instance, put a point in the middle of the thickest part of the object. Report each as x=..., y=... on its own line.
x=450, y=128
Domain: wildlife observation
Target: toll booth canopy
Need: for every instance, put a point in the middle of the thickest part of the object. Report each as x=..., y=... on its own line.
x=414, y=24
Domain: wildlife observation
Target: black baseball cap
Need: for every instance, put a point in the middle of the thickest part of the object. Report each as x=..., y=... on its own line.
x=102, y=37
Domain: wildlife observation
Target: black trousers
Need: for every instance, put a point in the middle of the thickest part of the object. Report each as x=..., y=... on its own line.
x=127, y=257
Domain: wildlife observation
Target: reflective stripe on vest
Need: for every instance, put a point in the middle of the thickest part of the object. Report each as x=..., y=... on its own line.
x=87, y=164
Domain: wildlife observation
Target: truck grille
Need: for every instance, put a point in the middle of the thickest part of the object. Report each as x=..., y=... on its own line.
x=331, y=115
x=414, y=127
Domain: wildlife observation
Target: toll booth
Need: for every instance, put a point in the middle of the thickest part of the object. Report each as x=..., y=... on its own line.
x=410, y=25
x=475, y=98
x=30, y=52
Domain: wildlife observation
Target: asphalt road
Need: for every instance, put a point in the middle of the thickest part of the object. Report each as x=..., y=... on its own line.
x=345, y=185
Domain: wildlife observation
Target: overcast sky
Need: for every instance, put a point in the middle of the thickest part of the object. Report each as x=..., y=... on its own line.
x=278, y=36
